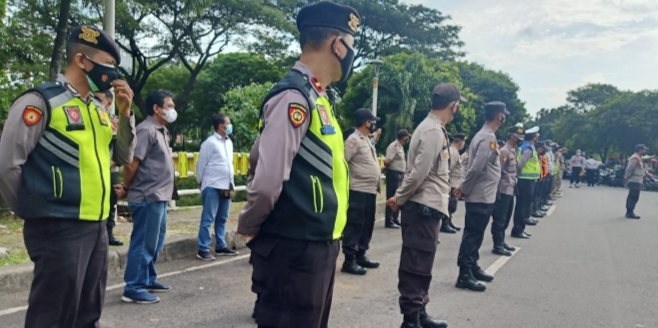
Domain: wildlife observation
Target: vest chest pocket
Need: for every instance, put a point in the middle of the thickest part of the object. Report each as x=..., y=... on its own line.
x=58, y=182
x=318, y=196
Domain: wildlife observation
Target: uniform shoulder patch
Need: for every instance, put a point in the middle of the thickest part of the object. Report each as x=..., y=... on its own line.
x=32, y=115
x=296, y=114
x=492, y=145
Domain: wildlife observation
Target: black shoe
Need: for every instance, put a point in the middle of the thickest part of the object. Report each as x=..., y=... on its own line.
x=531, y=222
x=520, y=235
x=480, y=275
x=509, y=248
x=114, y=242
x=226, y=252
x=205, y=256
x=411, y=321
x=452, y=225
x=527, y=234
x=536, y=214
x=632, y=215
x=544, y=208
x=352, y=268
x=552, y=199
x=396, y=221
x=501, y=251
x=365, y=262
x=391, y=225
x=467, y=281
x=428, y=322
x=445, y=227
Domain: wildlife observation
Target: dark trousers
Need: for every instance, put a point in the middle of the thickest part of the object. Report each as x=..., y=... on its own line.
x=70, y=272
x=546, y=189
x=523, y=206
x=575, y=174
x=419, y=235
x=393, y=181
x=294, y=281
x=633, y=196
x=452, y=202
x=477, y=219
x=360, y=224
x=502, y=214
x=591, y=177
x=111, y=220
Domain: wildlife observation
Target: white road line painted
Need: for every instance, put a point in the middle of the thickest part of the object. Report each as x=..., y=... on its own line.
x=493, y=268
x=164, y=275
x=550, y=210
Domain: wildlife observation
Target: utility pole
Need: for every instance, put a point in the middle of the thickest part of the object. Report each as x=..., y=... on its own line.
x=377, y=63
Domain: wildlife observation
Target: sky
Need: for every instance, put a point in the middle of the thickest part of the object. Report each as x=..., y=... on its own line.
x=549, y=47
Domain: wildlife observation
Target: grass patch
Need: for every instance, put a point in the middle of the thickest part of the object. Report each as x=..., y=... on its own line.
x=12, y=238
x=16, y=256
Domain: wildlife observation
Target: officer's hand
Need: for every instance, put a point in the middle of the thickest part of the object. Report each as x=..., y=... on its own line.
x=392, y=204
x=458, y=193
x=124, y=95
x=119, y=191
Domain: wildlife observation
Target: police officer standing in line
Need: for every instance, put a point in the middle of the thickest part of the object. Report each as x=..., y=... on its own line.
x=635, y=176
x=297, y=199
x=395, y=165
x=504, y=206
x=55, y=134
x=455, y=179
x=423, y=199
x=365, y=175
x=479, y=188
x=537, y=210
x=528, y=172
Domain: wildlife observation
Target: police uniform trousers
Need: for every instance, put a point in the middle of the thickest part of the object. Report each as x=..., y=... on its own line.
x=452, y=202
x=111, y=220
x=294, y=281
x=633, y=196
x=477, y=219
x=393, y=181
x=575, y=174
x=420, y=230
x=537, y=194
x=502, y=214
x=546, y=192
x=70, y=272
x=591, y=177
x=524, y=197
x=360, y=224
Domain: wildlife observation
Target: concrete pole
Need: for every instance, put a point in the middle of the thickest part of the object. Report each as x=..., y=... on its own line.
x=108, y=26
x=375, y=87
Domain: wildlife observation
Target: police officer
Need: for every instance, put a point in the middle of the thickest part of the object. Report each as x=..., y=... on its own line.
x=502, y=211
x=365, y=175
x=395, y=165
x=635, y=176
x=479, y=188
x=455, y=179
x=423, y=199
x=297, y=199
x=528, y=172
x=57, y=133
x=538, y=194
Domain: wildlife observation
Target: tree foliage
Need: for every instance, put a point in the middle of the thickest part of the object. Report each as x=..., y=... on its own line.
x=242, y=105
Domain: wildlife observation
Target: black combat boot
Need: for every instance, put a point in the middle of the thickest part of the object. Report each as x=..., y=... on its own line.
x=509, y=247
x=411, y=321
x=365, y=262
x=632, y=215
x=350, y=266
x=113, y=241
x=445, y=226
x=428, y=322
x=499, y=245
x=452, y=225
x=480, y=275
x=467, y=281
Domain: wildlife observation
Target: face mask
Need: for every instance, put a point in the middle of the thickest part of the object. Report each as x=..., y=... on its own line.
x=373, y=127
x=229, y=129
x=346, y=63
x=170, y=115
x=100, y=76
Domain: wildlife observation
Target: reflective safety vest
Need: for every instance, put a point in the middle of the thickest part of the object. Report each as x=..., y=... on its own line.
x=531, y=170
x=67, y=175
x=313, y=202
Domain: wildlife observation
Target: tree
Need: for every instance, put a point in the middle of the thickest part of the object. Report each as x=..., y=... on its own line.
x=60, y=39
x=406, y=82
x=591, y=95
x=242, y=105
x=546, y=118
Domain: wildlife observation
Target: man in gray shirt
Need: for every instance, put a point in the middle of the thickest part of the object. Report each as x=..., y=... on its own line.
x=504, y=206
x=395, y=165
x=635, y=175
x=423, y=199
x=149, y=182
x=479, y=188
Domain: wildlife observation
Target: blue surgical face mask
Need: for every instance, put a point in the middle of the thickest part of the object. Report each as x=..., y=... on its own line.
x=229, y=129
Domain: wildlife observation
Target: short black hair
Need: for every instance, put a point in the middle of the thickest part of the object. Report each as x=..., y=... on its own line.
x=314, y=37
x=491, y=115
x=218, y=119
x=157, y=97
x=439, y=102
x=73, y=48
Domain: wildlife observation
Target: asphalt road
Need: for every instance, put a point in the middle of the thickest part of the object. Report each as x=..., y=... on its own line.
x=585, y=266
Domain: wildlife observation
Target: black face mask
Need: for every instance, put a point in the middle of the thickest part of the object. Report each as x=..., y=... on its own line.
x=373, y=127
x=346, y=63
x=101, y=76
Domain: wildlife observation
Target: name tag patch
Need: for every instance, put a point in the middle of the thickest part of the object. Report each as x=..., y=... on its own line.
x=327, y=127
x=74, y=118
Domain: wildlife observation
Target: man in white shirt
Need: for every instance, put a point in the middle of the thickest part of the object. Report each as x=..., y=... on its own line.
x=591, y=167
x=214, y=172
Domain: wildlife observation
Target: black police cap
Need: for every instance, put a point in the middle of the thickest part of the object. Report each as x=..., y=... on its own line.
x=640, y=147
x=95, y=38
x=445, y=93
x=495, y=107
x=329, y=15
x=501, y=143
x=364, y=114
x=460, y=136
x=403, y=133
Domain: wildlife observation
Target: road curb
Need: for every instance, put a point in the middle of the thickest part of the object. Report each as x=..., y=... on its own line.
x=17, y=278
